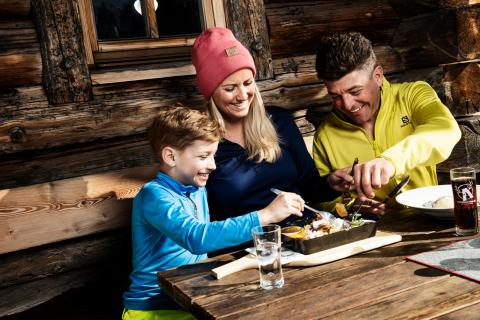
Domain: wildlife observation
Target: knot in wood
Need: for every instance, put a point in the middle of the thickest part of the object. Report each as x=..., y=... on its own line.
x=17, y=135
x=68, y=63
x=257, y=46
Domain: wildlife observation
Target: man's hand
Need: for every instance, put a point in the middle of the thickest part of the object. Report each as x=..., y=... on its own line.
x=340, y=180
x=371, y=175
x=369, y=206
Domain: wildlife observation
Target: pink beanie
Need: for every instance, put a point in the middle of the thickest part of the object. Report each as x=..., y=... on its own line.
x=216, y=54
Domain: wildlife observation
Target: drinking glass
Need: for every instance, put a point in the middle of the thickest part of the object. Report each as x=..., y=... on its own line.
x=464, y=188
x=267, y=241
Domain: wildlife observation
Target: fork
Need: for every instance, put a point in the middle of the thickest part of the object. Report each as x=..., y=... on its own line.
x=347, y=195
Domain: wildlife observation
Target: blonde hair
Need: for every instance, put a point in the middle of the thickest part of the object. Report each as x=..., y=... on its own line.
x=261, y=139
x=179, y=127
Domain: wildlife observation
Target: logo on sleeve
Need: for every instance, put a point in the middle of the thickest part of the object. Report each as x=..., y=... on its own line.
x=405, y=121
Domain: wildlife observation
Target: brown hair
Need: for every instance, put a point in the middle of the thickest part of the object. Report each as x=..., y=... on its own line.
x=179, y=127
x=341, y=53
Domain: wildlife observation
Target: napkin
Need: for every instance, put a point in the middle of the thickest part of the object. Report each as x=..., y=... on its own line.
x=460, y=258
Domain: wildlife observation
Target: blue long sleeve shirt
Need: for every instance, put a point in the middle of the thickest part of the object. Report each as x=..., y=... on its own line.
x=170, y=228
x=239, y=185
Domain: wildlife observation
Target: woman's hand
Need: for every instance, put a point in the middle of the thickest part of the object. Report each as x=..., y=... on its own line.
x=285, y=204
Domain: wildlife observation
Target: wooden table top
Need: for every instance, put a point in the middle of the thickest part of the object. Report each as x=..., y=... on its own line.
x=378, y=284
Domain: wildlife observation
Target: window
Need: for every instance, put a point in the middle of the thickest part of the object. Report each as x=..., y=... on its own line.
x=155, y=32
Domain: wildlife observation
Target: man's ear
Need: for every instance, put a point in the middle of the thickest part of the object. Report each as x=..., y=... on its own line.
x=168, y=156
x=378, y=75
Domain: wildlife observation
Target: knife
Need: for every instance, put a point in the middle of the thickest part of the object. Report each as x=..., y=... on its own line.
x=397, y=189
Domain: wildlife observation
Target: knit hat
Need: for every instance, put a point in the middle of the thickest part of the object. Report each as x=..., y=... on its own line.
x=216, y=54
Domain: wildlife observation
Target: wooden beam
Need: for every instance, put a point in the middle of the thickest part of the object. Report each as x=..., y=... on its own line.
x=462, y=90
x=20, y=67
x=14, y=8
x=24, y=296
x=295, y=26
x=34, y=167
x=29, y=126
x=468, y=28
x=65, y=76
x=246, y=19
x=50, y=260
x=65, y=209
x=467, y=151
x=436, y=43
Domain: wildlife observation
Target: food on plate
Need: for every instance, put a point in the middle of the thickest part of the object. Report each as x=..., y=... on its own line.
x=341, y=209
x=443, y=202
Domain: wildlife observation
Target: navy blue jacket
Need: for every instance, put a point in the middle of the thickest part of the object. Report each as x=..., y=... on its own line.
x=239, y=185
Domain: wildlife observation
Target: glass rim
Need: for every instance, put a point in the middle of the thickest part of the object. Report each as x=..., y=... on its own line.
x=266, y=228
x=462, y=169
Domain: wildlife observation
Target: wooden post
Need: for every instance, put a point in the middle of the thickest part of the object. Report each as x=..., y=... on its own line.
x=247, y=20
x=66, y=77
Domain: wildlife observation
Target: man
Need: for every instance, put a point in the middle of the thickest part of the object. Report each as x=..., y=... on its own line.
x=394, y=129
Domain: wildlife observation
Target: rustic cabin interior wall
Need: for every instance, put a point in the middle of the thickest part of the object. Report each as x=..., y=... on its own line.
x=72, y=136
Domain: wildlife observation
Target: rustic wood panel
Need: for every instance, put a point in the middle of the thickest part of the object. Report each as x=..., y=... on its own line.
x=20, y=67
x=14, y=8
x=17, y=96
x=467, y=150
x=436, y=43
x=39, y=125
x=64, y=209
x=461, y=87
x=295, y=26
x=246, y=18
x=33, y=167
x=66, y=76
x=468, y=28
x=28, y=126
x=19, y=298
x=50, y=260
x=429, y=301
x=293, y=67
x=18, y=33
x=468, y=313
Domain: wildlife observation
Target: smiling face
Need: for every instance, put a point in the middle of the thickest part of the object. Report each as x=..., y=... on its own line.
x=357, y=95
x=192, y=165
x=234, y=95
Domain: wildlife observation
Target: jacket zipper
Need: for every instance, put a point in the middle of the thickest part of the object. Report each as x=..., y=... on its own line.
x=195, y=212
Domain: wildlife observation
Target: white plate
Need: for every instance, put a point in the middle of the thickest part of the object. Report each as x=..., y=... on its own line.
x=416, y=198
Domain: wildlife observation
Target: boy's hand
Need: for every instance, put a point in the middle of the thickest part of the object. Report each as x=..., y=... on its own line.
x=285, y=204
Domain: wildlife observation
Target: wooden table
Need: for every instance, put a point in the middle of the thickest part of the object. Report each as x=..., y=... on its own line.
x=379, y=284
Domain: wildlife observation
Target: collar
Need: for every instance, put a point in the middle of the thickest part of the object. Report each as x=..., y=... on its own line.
x=176, y=185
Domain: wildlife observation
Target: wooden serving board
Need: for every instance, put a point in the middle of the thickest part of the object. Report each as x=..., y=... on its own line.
x=301, y=260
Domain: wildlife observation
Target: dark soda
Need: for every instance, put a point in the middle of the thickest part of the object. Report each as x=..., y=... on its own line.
x=465, y=199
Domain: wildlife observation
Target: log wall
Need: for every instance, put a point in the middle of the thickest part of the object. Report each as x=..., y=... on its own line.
x=72, y=146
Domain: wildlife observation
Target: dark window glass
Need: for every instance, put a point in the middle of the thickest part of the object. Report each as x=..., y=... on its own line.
x=118, y=20
x=178, y=17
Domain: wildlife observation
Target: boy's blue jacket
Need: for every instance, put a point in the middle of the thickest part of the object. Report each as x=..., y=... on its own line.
x=171, y=227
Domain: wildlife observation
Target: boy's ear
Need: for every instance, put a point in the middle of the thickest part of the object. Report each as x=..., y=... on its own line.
x=168, y=156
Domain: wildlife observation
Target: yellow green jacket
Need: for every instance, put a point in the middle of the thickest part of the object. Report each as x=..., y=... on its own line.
x=414, y=130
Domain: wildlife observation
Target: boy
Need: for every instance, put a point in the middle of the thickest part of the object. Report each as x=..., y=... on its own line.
x=170, y=218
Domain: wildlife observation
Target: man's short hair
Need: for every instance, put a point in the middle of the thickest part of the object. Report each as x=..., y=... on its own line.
x=341, y=53
x=179, y=127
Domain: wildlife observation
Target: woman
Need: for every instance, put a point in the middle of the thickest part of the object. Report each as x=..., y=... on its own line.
x=261, y=149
